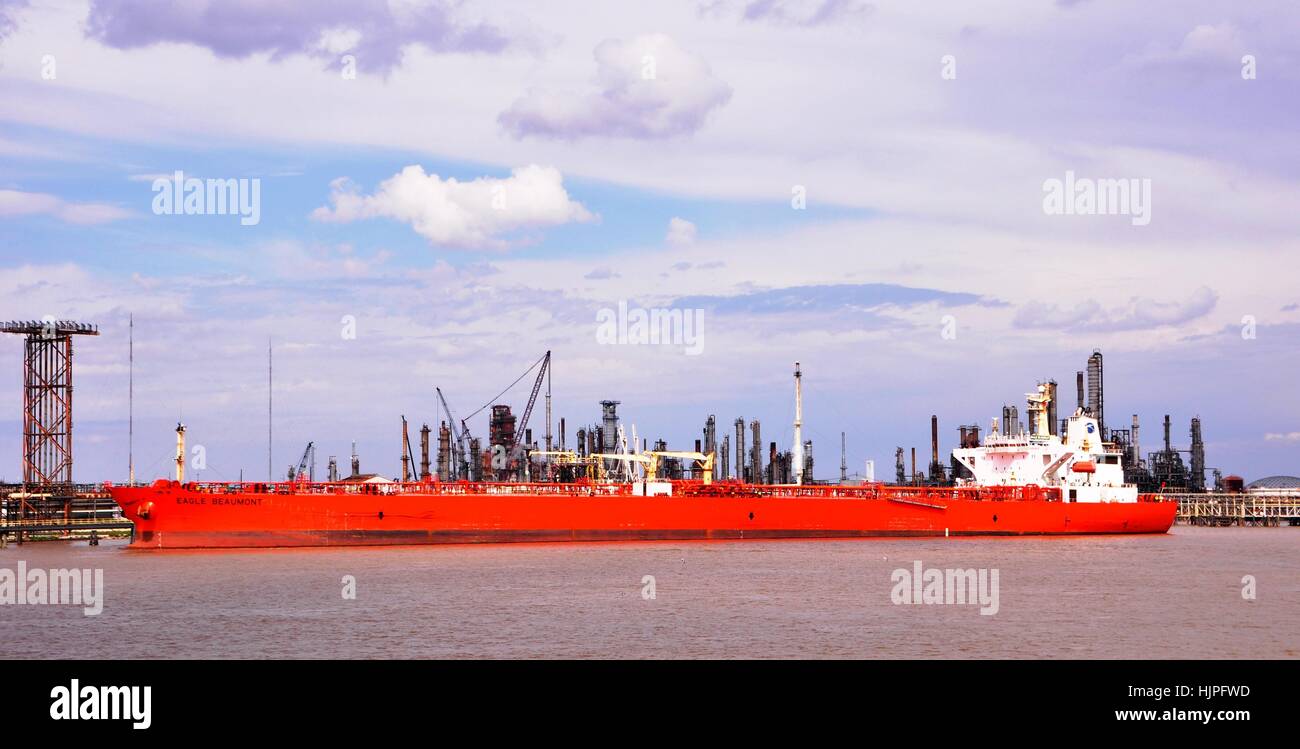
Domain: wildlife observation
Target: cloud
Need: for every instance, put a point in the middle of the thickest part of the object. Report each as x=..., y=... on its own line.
x=830, y=297
x=680, y=231
x=1215, y=45
x=18, y=203
x=646, y=87
x=1282, y=437
x=375, y=31
x=1139, y=314
x=9, y=16
x=601, y=274
x=452, y=213
x=790, y=12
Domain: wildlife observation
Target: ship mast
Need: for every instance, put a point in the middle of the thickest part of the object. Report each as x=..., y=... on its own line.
x=130, y=401
x=798, y=425
x=270, y=471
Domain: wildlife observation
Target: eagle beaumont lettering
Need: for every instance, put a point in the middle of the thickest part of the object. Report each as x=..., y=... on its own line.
x=37, y=586
x=76, y=702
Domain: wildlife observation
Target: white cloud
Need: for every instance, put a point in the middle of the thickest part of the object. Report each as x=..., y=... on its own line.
x=19, y=203
x=1140, y=313
x=789, y=12
x=448, y=212
x=680, y=231
x=1282, y=437
x=1221, y=43
x=647, y=87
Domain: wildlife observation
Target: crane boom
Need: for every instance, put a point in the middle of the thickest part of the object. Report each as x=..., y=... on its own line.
x=532, y=400
x=302, y=464
x=462, y=434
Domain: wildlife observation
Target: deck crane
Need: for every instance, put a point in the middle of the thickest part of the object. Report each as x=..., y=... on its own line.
x=532, y=400
x=304, y=468
x=462, y=439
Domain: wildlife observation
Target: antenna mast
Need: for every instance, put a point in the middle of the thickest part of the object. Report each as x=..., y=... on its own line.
x=270, y=472
x=798, y=425
x=130, y=401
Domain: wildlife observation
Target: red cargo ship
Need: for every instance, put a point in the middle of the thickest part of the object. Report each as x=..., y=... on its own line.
x=169, y=514
x=1018, y=485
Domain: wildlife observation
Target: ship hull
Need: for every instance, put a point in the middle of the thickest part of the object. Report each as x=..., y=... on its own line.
x=169, y=515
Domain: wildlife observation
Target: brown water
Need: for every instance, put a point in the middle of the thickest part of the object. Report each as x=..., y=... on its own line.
x=1174, y=596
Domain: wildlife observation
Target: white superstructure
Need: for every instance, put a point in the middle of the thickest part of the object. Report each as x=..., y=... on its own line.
x=1081, y=465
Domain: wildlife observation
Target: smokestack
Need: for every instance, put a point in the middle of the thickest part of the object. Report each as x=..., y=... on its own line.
x=1052, y=424
x=1137, y=444
x=723, y=461
x=1167, y=447
x=406, y=452
x=913, y=464
x=1197, y=468
x=424, y=452
x=798, y=425
x=844, y=461
x=1078, y=382
x=757, y=452
x=561, y=433
x=609, y=419
x=334, y=469
x=447, y=458
x=740, y=449
x=356, y=461
x=710, y=435
x=934, y=439
x=1096, y=399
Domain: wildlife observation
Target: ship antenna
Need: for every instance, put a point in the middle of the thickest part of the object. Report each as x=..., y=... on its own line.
x=130, y=401
x=798, y=425
x=270, y=472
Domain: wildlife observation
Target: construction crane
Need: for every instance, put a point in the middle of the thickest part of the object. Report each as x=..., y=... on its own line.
x=461, y=434
x=532, y=400
x=306, y=466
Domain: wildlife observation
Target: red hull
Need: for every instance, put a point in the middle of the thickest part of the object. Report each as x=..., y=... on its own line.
x=169, y=515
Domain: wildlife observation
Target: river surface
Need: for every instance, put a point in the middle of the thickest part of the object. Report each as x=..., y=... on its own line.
x=1174, y=596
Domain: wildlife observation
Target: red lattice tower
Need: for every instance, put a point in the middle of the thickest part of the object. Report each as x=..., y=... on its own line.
x=47, y=399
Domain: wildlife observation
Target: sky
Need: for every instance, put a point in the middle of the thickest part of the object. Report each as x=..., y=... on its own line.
x=439, y=192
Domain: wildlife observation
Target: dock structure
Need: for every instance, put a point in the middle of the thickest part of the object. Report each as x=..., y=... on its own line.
x=47, y=491
x=1269, y=508
x=84, y=508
